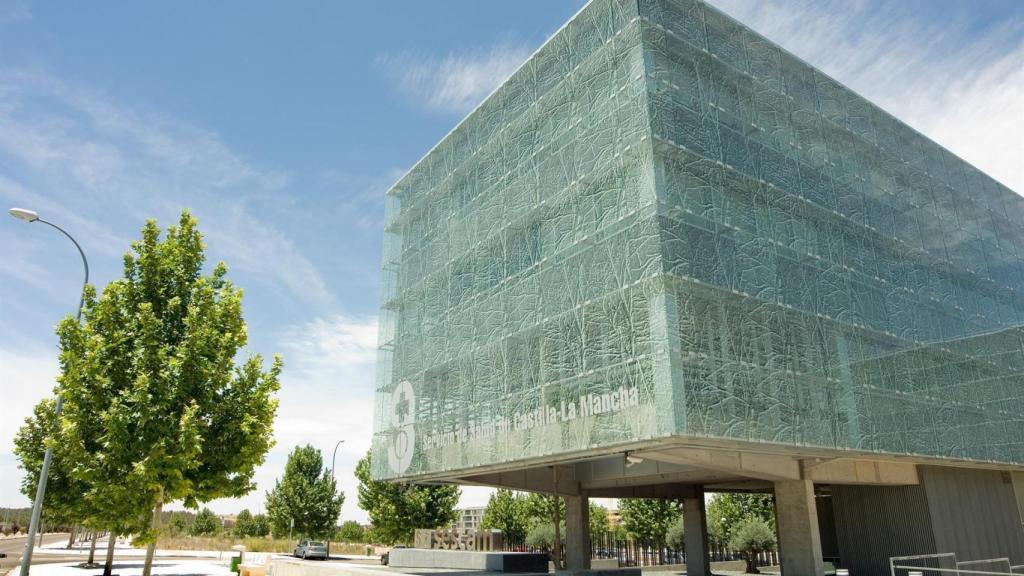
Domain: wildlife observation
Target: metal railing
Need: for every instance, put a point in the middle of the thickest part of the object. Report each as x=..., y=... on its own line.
x=918, y=566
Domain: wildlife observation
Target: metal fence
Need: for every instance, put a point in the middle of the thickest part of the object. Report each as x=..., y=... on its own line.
x=635, y=553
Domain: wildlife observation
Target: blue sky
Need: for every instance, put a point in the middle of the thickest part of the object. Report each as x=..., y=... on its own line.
x=281, y=126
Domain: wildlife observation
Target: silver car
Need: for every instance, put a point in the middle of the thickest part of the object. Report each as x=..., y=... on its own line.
x=309, y=549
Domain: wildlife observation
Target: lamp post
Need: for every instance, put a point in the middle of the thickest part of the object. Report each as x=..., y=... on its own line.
x=37, y=506
x=333, y=458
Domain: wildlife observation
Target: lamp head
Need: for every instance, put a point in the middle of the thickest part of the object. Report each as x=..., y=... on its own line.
x=23, y=214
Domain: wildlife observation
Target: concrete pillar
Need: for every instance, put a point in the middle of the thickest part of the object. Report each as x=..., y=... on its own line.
x=577, y=533
x=797, y=519
x=695, y=536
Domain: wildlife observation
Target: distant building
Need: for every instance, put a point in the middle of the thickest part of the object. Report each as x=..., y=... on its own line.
x=614, y=517
x=469, y=518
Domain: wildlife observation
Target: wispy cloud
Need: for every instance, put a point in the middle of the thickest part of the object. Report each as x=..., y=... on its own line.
x=948, y=73
x=78, y=153
x=455, y=83
x=326, y=396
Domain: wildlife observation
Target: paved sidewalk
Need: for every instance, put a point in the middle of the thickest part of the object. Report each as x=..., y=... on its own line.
x=133, y=567
x=124, y=548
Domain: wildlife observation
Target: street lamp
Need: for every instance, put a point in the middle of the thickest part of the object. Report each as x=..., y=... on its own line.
x=333, y=458
x=31, y=216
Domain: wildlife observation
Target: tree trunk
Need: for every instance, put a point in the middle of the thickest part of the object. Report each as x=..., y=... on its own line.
x=157, y=510
x=71, y=538
x=751, y=565
x=92, y=549
x=109, y=565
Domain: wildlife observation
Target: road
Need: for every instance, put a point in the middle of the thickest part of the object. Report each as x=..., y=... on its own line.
x=13, y=547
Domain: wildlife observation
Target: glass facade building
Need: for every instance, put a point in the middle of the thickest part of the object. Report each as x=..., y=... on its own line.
x=663, y=226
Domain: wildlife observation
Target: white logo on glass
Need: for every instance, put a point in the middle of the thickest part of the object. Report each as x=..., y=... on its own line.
x=403, y=432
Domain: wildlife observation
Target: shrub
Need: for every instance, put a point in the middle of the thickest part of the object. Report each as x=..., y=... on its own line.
x=751, y=537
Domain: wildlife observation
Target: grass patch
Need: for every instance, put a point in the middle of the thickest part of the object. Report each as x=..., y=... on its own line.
x=274, y=545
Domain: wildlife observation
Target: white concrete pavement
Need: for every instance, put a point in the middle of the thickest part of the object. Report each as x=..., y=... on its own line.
x=133, y=567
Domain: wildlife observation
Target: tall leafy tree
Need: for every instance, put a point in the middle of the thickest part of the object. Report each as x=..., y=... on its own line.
x=306, y=494
x=541, y=507
x=507, y=511
x=260, y=527
x=397, y=510
x=648, y=519
x=156, y=409
x=599, y=523
x=726, y=511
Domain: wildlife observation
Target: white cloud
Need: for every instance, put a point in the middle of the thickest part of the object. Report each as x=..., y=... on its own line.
x=326, y=396
x=936, y=72
x=27, y=375
x=455, y=83
x=83, y=157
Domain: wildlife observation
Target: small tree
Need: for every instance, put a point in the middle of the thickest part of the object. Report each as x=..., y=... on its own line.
x=506, y=511
x=396, y=510
x=542, y=536
x=206, y=524
x=675, y=539
x=751, y=537
x=350, y=531
x=243, y=524
x=306, y=494
x=260, y=527
x=726, y=511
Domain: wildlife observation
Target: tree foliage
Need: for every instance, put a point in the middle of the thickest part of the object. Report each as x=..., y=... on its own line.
x=507, y=511
x=726, y=511
x=599, y=523
x=648, y=519
x=542, y=536
x=396, y=510
x=541, y=507
x=307, y=494
x=750, y=537
x=206, y=523
x=675, y=536
x=243, y=524
x=260, y=527
x=155, y=408
x=64, y=501
x=350, y=531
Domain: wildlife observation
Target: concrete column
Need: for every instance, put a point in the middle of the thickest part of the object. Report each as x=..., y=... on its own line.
x=695, y=536
x=577, y=533
x=797, y=519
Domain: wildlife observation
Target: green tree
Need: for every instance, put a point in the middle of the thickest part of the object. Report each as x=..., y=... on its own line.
x=506, y=511
x=350, y=531
x=156, y=409
x=206, y=524
x=542, y=536
x=178, y=524
x=260, y=527
x=674, y=538
x=751, y=537
x=727, y=510
x=541, y=507
x=598, y=521
x=396, y=510
x=243, y=524
x=306, y=494
x=648, y=519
